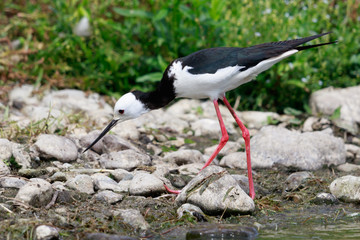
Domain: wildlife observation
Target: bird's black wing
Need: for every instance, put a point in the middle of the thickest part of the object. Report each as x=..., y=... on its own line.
x=211, y=59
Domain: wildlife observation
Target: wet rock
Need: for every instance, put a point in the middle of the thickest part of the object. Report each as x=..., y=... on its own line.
x=104, y=236
x=346, y=188
x=4, y=169
x=21, y=156
x=215, y=191
x=326, y=101
x=348, y=167
x=145, y=184
x=103, y=182
x=184, y=156
x=133, y=218
x=296, y=180
x=190, y=209
x=325, y=198
x=221, y=231
x=82, y=183
x=12, y=182
x=108, y=196
x=45, y=232
x=230, y=147
x=5, y=149
x=37, y=192
x=255, y=119
x=304, y=151
x=127, y=159
x=56, y=147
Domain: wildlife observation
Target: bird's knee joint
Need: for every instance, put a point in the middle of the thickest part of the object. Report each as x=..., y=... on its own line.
x=245, y=133
x=225, y=138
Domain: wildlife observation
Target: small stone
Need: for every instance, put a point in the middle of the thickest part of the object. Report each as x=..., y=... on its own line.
x=348, y=167
x=45, y=232
x=103, y=182
x=12, y=182
x=5, y=149
x=185, y=156
x=124, y=186
x=108, y=196
x=189, y=208
x=308, y=124
x=121, y=174
x=59, y=176
x=4, y=169
x=230, y=147
x=256, y=119
x=82, y=183
x=243, y=182
x=206, y=127
x=346, y=188
x=104, y=236
x=326, y=198
x=37, y=192
x=296, y=180
x=215, y=191
x=145, y=184
x=56, y=147
x=191, y=169
x=133, y=218
x=127, y=159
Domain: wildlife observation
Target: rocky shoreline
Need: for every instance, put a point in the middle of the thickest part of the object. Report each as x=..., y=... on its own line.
x=46, y=180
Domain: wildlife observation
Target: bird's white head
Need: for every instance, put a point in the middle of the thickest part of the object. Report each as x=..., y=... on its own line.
x=127, y=107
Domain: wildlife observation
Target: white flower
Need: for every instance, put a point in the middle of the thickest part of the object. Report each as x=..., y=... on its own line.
x=291, y=65
x=257, y=34
x=314, y=20
x=267, y=11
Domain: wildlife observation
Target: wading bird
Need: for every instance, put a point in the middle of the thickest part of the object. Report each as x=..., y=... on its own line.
x=209, y=73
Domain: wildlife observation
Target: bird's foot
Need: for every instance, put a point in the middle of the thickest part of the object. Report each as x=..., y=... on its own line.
x=172, y=191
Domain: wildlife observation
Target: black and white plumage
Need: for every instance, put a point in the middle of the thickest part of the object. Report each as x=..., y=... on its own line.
x=209, y=73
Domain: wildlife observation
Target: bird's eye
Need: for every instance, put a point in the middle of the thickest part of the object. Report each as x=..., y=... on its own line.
x=121, y=111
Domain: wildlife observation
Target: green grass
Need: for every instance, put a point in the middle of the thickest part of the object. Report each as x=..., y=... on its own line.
x=133, y=41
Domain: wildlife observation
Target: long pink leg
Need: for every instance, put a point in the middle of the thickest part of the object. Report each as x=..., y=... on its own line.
x=223, y=141
x=246, y=136
x=224, y=137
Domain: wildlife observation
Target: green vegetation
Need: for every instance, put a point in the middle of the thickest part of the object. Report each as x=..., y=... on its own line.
x=133, y=41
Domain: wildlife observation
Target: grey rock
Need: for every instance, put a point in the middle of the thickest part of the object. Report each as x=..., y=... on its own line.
x=45, y=232
x=188, y=208
x=37, y=192
x=184, y=156
x=238, y=160
x=206, y=127
x=123, y=186
x=348, y=167
x=59, y=176
x=215, y=191
x=304, y=151
x=103, y=182
x=326, y=198
x=56, y=147
x=23, y=95
x=127, y=159
x=5, y=149
x=296, y=180
x=308, y=124
x=4, y=169
x=230, y=147
x=190, y=169
x=12, y=182
x=21, y=156
x=104, y=236
x=256, y=119
x=86, y=140
x=222, y=231
x=121, y=174
x=346, y=188
x=82, y=183
x=325, y=101
x=133, y=218
x=127, y=130
x=145, y=184
x=355, y=150
x=108, y=196
x=243, y=182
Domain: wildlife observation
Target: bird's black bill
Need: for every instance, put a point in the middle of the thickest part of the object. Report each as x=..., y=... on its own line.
x=106, y=130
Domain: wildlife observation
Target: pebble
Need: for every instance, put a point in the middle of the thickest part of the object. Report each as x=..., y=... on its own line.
x=37, y=192
x=326, y=198
x=230, y=147
x=190, y=209
x=348, y=167
x=127, y=159
x=296, y=180
x=346, y=188
x=56, y=147
x=103, y=182
x=4, y=169
x=81, y=183
x=108, y=196
x=45, y=232
x=184, y=156
x=133, y=218
x=5, y=149
x=12, y=182
x=215, y=191
x=145, y=184
x=21, y=156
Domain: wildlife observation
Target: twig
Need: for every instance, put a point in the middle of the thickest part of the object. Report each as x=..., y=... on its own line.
x=6, y=209
x=53, y=200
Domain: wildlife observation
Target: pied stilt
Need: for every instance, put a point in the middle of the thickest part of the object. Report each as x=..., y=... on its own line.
x=209, y=73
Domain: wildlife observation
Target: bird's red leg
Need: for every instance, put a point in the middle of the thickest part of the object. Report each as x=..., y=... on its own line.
x=246, y=136
x=224, y=137
x=223, y=141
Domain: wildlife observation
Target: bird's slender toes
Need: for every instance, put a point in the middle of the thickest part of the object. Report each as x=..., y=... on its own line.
x=171, y=191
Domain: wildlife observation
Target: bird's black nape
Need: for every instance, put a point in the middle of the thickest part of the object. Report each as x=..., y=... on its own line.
x=102, y=134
